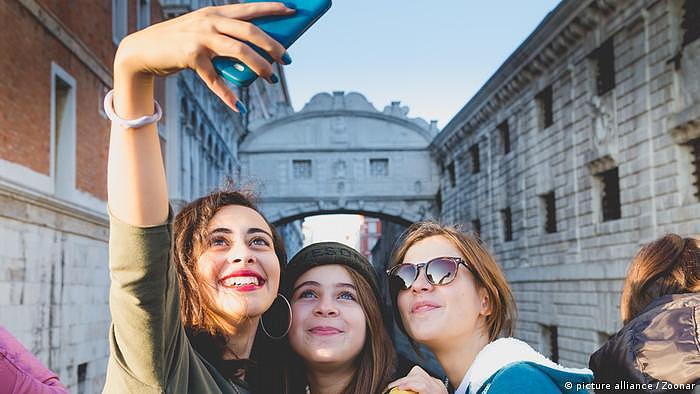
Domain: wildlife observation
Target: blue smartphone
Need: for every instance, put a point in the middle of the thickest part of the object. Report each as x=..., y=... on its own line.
x=284, y=29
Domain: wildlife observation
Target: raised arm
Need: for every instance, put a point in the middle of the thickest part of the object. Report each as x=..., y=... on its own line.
x=148, y=348
x=136, y=186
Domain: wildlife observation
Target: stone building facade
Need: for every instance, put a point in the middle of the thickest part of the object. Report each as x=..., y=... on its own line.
x=581, y=147
x=339, y=154
x=55, y=67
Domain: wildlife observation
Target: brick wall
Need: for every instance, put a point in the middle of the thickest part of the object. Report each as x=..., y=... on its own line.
x=54, y=277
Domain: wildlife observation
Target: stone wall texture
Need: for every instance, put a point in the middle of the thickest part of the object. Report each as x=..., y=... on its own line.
x=567, y=283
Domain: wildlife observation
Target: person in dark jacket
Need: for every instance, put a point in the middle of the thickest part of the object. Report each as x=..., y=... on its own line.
x=657, y=349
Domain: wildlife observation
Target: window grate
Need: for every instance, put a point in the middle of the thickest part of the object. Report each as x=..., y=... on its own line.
x=82, y=378
x=379, y=167
x=550, y=225
x=476, y=228
x=451, y=173
x=695, y=157
x=691, y=21
x=507, y=219
x=605, y=67
x=544, y=100
x=611, y=194
x=476, y=163
x=302, y=169
x=504, y=131
x=554, y=343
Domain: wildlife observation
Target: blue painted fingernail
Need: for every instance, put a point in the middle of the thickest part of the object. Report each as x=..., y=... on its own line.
x=274, y=78
x=241, y=108
x=286, y=59
x=289, y=5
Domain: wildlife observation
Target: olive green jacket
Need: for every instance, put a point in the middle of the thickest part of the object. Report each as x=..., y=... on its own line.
x=149, y=350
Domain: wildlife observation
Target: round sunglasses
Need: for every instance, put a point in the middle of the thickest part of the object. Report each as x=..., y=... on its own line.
x=439, y=271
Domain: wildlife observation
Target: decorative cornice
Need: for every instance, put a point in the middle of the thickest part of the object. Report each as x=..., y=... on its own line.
x=560, y=30
x=304, y=115
x=70, y=218
x=683, y=126
x=301, y=151
x=601, y=164
x=203, y=119
x=340, y=103
x=54, y=25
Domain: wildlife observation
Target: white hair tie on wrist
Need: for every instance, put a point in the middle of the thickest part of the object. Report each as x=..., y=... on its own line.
x=130, y=123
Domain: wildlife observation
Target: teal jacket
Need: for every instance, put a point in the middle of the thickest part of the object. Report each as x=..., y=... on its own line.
x=508, y=365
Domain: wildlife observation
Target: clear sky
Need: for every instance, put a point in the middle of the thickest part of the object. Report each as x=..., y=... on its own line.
x=431, y=55
x=340, y=228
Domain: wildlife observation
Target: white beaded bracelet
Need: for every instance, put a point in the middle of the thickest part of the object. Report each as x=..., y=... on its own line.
x=130, y=123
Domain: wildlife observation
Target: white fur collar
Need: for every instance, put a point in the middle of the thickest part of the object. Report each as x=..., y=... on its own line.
x=500, y=353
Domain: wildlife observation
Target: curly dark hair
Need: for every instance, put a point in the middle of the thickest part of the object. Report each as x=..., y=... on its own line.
x=207, y=325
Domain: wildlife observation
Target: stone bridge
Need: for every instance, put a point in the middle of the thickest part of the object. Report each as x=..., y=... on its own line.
x=339, y=154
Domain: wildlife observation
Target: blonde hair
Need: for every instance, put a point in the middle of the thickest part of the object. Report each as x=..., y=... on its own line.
x=486, y=272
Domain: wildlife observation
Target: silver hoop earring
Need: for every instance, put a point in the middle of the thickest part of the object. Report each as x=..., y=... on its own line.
x=262, y=320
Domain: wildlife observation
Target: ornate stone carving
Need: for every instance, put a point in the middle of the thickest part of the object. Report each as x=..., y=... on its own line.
x=604, y=125
x=340, y=133
x=340, y=169
x=328, y=120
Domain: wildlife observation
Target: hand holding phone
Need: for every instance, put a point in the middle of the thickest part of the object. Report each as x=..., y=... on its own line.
x=285, y=29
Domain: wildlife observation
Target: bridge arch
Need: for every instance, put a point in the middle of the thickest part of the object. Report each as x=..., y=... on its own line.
x=339, y=154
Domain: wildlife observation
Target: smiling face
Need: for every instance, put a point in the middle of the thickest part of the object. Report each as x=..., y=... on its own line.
x=328, y=325
x=439, y=316
x=238, y=264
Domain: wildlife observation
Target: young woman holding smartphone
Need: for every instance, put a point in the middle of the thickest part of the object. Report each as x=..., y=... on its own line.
x=186, y=321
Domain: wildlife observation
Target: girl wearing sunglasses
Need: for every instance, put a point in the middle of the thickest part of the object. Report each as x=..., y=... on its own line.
x=451, y=296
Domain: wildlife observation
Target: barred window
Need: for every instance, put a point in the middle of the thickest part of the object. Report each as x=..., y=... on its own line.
x=302, y=169
x=507, y=219
x=476, y=228
x=604, y=58
x=610, y=181
x=82, y=378
x=691, y=21
x=451, y=174
x=695, y=162
x=549, y=343
x=550, y=212
x=379, y=167
x=476, y=163
x=504, y=131
x=544, y=102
